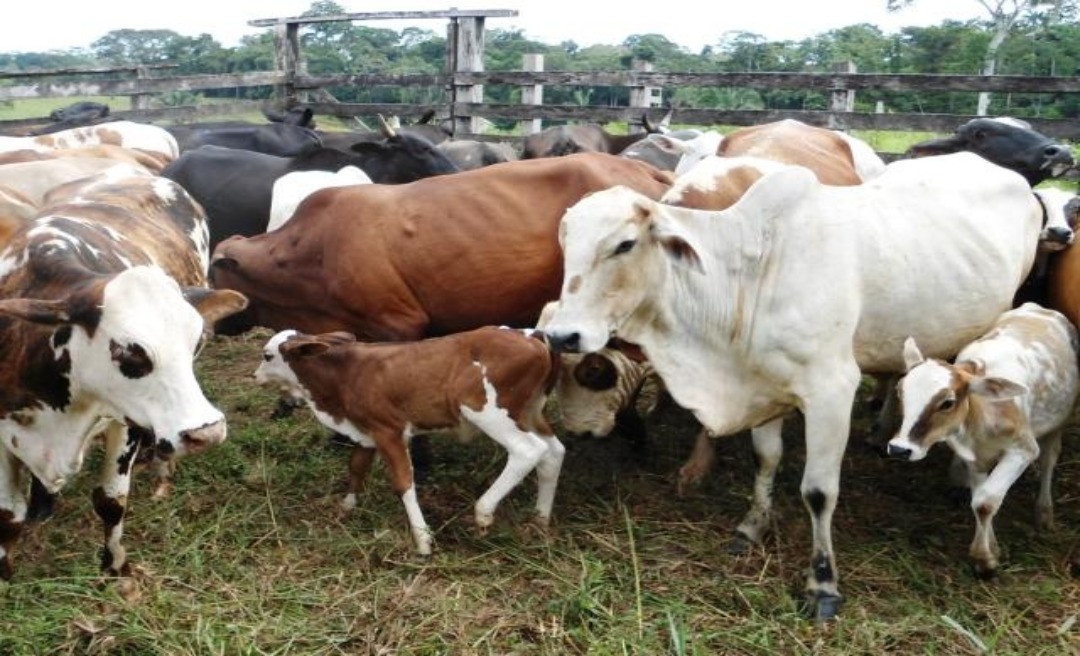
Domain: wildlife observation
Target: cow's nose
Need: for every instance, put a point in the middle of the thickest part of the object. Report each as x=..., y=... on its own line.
x=1059, y=235
x=197, y=439
x=1058, y=152
x=568, y=343
x=901, y=452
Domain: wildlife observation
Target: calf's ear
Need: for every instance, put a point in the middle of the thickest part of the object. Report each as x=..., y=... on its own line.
x=303, y=347
x=996, y=388
x=912, y=356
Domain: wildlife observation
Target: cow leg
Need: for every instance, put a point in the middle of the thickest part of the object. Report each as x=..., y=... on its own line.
x=828, y=423
x=768, y=448
x=547, y=478
x=888, y=419
x=396, y=454
x=1049, y=451
x=524, y=451
x=165, y=471
x=359, y=468
x=986, y=497
x=12, y=510
x=110, y=498
x=699, y=463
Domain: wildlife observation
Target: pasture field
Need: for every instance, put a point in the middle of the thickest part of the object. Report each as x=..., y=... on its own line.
x=250, y=555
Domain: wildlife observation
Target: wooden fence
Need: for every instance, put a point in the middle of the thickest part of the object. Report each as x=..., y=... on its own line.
x=463, y=83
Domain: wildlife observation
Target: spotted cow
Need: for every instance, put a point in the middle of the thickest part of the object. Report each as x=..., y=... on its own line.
x=104, y=302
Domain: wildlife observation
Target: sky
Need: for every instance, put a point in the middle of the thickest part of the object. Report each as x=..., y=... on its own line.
x=65, y=24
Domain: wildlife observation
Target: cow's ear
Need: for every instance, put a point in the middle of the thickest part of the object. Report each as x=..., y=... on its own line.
x=215, y=304
x=675, y=245
x=912, y=355
x=681, y=252
x=47, y=312
x=996, y=388
x=303, y=347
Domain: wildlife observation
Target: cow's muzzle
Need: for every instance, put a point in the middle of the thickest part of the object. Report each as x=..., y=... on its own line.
x=565, y=342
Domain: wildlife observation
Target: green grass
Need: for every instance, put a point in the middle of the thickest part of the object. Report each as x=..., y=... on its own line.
x=251, y=556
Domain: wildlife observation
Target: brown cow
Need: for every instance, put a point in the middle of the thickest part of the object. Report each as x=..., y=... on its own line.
x=489, y=380
x=836, y=158
x=436, y=256
x=103, y=301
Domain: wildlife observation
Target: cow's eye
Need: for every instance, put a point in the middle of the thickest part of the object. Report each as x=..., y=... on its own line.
x=267, y=356
x=132, y=359
x=946, y=404
x=624, y=247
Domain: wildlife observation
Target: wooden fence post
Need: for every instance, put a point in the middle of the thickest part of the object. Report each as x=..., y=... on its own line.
x=644, y=97
x=532, y=94
x=468, y=58
x=843, y=99
x=286, y=59
x=141, y=101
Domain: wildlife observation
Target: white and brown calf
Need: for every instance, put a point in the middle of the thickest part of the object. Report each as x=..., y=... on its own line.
x=1000, y=406
x=490, y=380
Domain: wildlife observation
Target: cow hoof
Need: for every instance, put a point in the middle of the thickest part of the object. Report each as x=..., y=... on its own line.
x=984, y=572
x=822, y=607
x=740, y=544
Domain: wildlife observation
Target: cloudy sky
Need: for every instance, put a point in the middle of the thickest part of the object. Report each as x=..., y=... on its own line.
x=62, y=24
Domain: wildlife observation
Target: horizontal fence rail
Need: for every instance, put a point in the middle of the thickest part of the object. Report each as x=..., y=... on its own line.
x=141, y=83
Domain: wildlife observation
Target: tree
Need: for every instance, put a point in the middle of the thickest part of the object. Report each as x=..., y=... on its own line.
x=1004, y=15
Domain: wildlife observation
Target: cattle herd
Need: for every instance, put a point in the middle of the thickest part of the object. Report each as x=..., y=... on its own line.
x=420, y=284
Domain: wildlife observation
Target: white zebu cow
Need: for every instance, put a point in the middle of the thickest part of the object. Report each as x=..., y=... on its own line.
x=781, y=302
x=292, y=188
x=129, y=134
x=1001, y=405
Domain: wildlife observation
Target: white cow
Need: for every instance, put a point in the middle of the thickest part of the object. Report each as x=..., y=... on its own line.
x=1001, y=405
x=292, y=188
x=780, y=302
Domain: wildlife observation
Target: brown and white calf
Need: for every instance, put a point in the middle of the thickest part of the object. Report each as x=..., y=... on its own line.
x=103, y=300
x=489, y=380
x=1000, y=406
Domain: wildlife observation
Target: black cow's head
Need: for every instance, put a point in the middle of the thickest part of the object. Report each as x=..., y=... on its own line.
x=1007, y=142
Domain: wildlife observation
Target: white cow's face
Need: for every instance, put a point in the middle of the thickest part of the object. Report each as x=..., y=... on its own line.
x=610, y=266
x=138, y=360
x=273, y=370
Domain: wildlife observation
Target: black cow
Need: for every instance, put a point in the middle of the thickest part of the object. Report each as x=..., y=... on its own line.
x=344, y=140
x=235, y=186
x=276, y=138
x=1007, y=142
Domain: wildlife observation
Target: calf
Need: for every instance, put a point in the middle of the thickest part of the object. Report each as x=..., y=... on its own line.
x=492, y=380
x=1002, y=404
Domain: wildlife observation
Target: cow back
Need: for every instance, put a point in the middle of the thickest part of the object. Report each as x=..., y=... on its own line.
x=436, y=256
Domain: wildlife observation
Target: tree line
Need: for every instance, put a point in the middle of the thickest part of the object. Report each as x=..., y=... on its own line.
x=1037, y=43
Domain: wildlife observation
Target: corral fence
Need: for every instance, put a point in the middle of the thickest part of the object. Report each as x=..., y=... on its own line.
x=461, y=88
